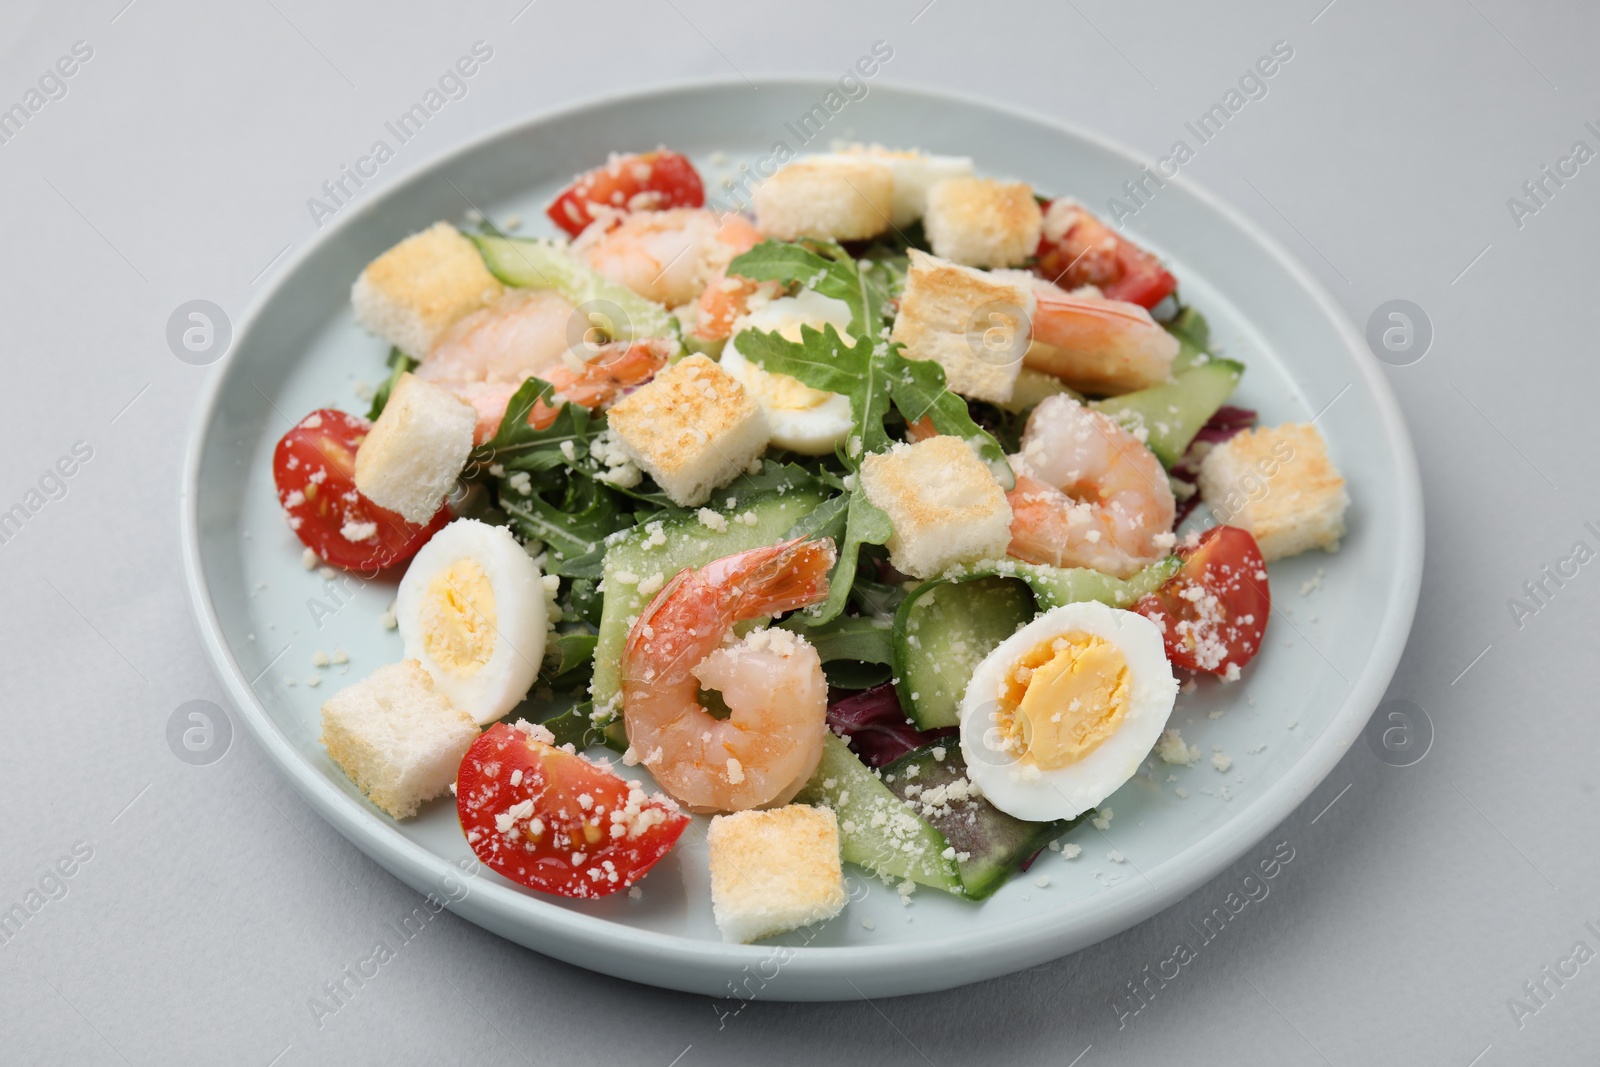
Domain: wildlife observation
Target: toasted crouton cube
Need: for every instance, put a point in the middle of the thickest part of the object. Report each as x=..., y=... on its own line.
x=1278, y=483
x=693, y=429
x=944, y=503
x=914, y=174
x=972, y=324
x=982, y=222
x=774, y=870
x=396, y=737
x=840, y=197
x=409, y=295
x=416, y=449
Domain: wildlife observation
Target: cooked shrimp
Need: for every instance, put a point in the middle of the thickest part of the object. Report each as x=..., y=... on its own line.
x=1088, y=493
x=666, y=256
x=773, y=682
x=593, y=383
x=485, y=358
x=1097, y=345
x=726, y=299
x=520, y=335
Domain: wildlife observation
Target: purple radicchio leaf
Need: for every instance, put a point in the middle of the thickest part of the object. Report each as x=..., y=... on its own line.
x=876, y=727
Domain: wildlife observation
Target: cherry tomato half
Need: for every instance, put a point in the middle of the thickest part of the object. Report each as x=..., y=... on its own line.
x=651, y=181
x=1090, y=253
x=1213, y=612
x=547, y=818
x=314, y=468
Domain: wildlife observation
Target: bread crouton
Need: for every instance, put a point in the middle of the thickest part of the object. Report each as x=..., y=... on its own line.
x=914, y=174
x=981, y=222
x=972, y=324
x=944, y=502
x=693, y=429
x=845, y=198
x=1278, y=483
x=774, y=870
x=397, y=738
x=416, y=449
x=409, y=295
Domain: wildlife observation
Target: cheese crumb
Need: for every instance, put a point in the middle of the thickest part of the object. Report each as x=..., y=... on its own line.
x=1171, y=748
x=1071, y=851
x=1221, y=762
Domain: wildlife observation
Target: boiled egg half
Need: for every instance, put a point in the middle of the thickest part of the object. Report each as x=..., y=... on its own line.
x=1063, y=711
x=805, y=420
x=471, y=610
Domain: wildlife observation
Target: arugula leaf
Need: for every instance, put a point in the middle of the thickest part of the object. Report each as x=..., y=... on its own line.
x=867, y=370
x=865, y=524
x=575, y=660
x=399, y=363
x=576, y=539
x=827, y=519
x=849, y=637
x=518, y=446
x=918, y=389
x=576, y=726
x=822, y=266
x=824, y=360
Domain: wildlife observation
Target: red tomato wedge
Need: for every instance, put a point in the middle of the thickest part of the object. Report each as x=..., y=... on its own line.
x=314, y=468
x=547, y=818
x=651, y=181
x=1213, y=612
x=1090, y=253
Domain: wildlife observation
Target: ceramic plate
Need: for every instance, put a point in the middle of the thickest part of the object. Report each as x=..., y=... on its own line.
x=1329, y=655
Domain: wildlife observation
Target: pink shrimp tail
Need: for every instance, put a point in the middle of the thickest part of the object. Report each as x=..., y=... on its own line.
x=748, y=585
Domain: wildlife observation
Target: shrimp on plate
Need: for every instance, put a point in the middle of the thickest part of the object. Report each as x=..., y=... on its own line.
x=1097, y=345
x=669, y=256
x=485, y=358
x=772, y=681
x=1088, y=493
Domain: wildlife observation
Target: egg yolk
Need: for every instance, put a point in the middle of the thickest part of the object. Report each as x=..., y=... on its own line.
x=458, y=621
x=1065, y=698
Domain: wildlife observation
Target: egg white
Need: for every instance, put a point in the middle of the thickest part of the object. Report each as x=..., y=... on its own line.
x=520, y=617
x=811, y=431
x=1069, y=791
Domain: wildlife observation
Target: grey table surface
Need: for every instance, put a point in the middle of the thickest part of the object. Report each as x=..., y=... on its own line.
x=207, y=904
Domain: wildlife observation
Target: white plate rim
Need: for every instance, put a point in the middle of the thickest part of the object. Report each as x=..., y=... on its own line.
x=817, y=973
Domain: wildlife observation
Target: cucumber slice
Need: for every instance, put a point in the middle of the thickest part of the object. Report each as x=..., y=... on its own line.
x=877, y=830
x=530, y=264
x=990, y=845
x=666, y=547
x=1055, y=586
x=942, y=631
x=1171, y=414
x=1033, y=386
x=945, y=627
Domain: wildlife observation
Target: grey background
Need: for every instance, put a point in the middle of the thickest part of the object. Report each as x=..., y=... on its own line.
x=215, y=903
